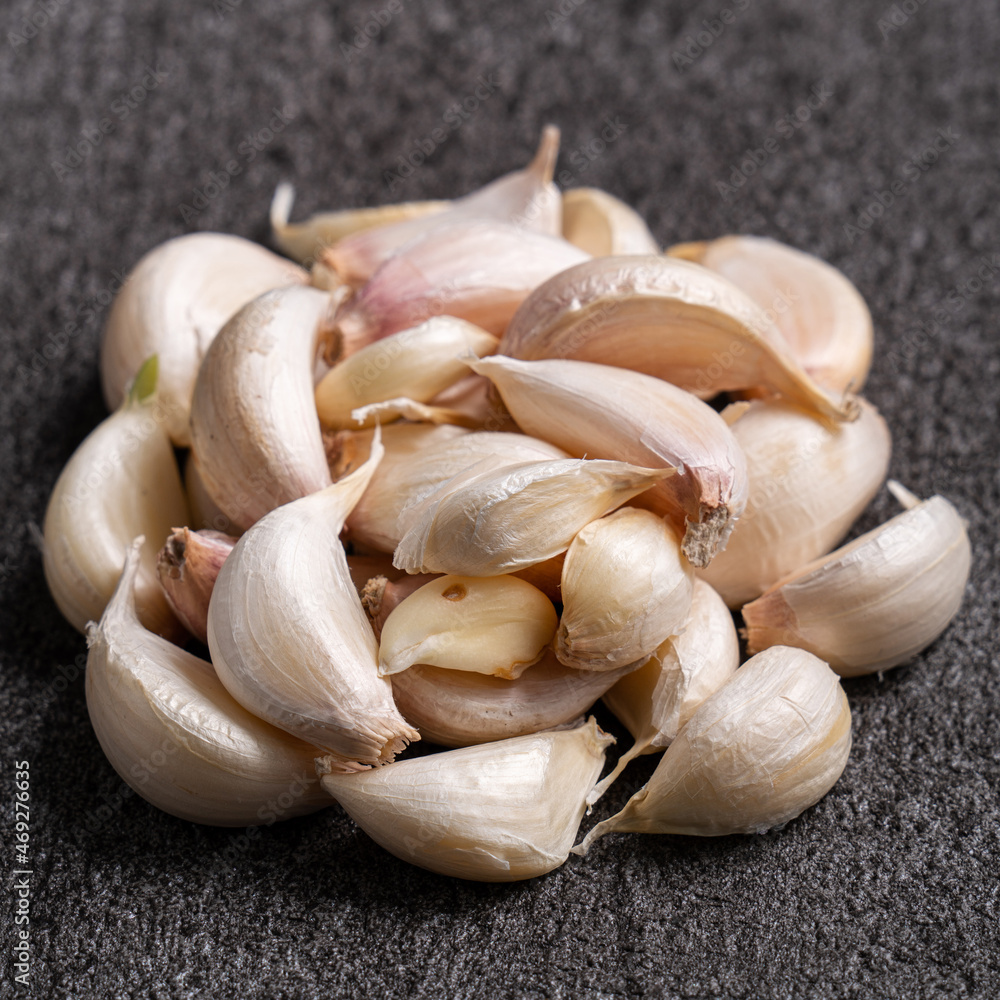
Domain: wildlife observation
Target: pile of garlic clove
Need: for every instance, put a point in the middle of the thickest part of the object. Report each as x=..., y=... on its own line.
x=470, y=472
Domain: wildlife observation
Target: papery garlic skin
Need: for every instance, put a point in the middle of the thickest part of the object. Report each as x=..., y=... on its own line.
x=122, y=481
x=173, y=303
x=810, y=480
x=488, y=521
x=253, y=418
x=603, y=225
x=626, y=588
x=290, y=639
x=821, y=315
x=876, y=602
x=493, y=625
x=497, y=812
x=769, y=744
x=614, y=413
x=213, y=762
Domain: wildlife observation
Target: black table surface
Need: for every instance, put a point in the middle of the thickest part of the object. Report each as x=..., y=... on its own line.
x=875, y=133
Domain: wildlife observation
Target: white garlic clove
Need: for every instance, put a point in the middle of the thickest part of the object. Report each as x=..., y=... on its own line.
x=879, y=600
x=122, y=481
x=810, y=479
x=253, y=418
x=603, y=225
x=173, y=303
x=402, y=407
x=614, y=413
x=497, y=812
x=821, y=315
x=626, y=588
x=770, y=743
x=290, y=639
x=175, y=735
x=488, y=521
x=494, y=625
x=665, y=317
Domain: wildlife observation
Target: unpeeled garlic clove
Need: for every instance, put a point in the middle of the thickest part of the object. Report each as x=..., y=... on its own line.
x=188, y=566
x=488, y=521
x=656, y=701
x=494, y=625
x=175, y=735
x=879, y=600
x=606, y=412
x=770, y=743
x=497, y=812
x=365, y=568
x=810, y=479
x=290, y=639
x=122, y=481
x=477, y=270
x=821, y=315
x=603, y=225
x=524, y=198
x=418, y=363
x=173, y=303
x=253, y=419
x=665, y=317
x=626, y=588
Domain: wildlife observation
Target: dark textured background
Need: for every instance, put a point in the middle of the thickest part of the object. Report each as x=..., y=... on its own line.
x=888, y=888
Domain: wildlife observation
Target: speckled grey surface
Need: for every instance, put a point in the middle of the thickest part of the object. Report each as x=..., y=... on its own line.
x=888, y=888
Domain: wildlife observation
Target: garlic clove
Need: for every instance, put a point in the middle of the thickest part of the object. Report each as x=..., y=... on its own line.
x=494, y=625
x=122, y=481
x=290, y=639
x=525, y=198
x=488, y=521
x=497, y=812
x=770, y=743
x=457, y=708
x=656, y=701
x=477, y=270
x=175, y=735
x=821, y=315
x=546, y=576
x=382, y=593
x=603, y=225
x=188, y=566
x=626, y=589
x=365, y=568
x=665, y=317
x=876, y=602
x=410, y=409
x=605, y=412
x=347, y=450
x=809, y=481
x=253, y=418
x=173, y=303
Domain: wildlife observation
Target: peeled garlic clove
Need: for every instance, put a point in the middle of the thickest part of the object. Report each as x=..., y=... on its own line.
x=188, y=566
x=417, y=363
x=290, y=639
x=821, y=315
x=656, y=701
x=605, y=412
x=253, y=419
x=769, y=744
x=525, y=198
x=876, y=602
x=603, y=225
x=419, y=459
x=809, y=481
x=665, y=317
x=122, y=481
x=477, y=270
x=495, y=625
x=488, y=521
x=305, y=241
x=458, y=708
x=213, y=762
x=497, y=812
x=173, y=303
x=626, y=588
